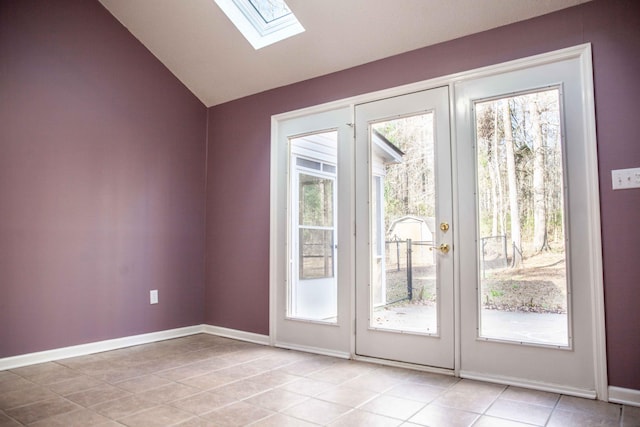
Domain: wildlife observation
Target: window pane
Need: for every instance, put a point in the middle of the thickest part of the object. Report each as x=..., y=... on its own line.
x=316, y=201
x=316, y=253
x=403, y=201
x=329, y=168
x=270, y=10
x=522, y=269
x=311, y=164
x=313, y=287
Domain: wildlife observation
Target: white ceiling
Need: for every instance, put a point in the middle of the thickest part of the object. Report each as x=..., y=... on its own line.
x=199, y=44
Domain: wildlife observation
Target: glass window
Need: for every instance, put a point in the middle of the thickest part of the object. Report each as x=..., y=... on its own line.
x=521, y=213
x=316, y=253
x=270, y=10
x=316, y=201
x=404, y=276
x=313, y=285
x=261, y=22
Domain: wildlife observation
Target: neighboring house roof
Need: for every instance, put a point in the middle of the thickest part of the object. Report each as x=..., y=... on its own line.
x=384, y=149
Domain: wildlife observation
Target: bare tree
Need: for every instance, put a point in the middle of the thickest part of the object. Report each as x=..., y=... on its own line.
x=410, y=185
x=512, y=182
x=539, y=208
x=496, y=179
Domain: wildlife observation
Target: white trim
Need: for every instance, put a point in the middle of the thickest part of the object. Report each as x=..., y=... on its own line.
x=95, y=347
x=117, y=343
x=352, y=230
x=594, y=230
x=314, y=350
x=274, y=260
x=516, y=64
x=236, y=334
x=405, y=365
x=626, y=396
x=455, y=236
x=535, y=385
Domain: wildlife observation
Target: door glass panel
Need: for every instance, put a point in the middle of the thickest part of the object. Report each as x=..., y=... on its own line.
x=404, y=288
x=521, y=219
x=316, y=253
x=316, y=200
x=312, y=288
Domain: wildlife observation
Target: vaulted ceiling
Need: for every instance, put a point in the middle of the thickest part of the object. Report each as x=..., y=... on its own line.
x=198, y=43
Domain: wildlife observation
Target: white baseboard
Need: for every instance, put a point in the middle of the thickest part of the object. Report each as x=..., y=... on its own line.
x=314, y=350
x=95, y=347
x=626, y=396
x=236, y=334
x=114, y=344
x=519, y=382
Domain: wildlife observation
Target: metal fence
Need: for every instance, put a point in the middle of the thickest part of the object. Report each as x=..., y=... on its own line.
x=411, y=266
x=410, y=270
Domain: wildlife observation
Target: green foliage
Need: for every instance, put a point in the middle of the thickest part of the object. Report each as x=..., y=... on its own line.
x=496, y=293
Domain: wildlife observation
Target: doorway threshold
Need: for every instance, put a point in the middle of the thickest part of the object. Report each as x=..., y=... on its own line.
x=405, y=365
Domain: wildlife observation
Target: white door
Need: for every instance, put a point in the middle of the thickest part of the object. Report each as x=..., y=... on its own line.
x=526, y=244
x=311, y=233
x=404, y=258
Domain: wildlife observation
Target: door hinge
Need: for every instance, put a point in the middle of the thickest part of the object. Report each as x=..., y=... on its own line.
x=353, y=127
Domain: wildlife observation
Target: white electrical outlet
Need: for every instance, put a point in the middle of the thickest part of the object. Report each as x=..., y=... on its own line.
x=153, y=296
x=625, y=178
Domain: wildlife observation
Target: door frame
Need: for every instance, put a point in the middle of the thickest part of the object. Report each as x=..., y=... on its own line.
x=583, y=54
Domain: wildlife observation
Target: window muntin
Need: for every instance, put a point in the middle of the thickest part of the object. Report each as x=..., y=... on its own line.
x=261, y=22
x=270, y=10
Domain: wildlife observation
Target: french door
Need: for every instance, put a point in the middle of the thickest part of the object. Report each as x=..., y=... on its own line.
x=401, y=260
x=312, y=235
x=404, y=258
x=528, y=232
x=477, y=253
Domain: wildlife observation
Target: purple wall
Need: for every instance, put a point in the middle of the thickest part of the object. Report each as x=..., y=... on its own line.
x=102, y=182
x=237, y=292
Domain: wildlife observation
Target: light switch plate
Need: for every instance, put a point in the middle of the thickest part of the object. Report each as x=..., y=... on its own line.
x=153, y=296
x=623, y=179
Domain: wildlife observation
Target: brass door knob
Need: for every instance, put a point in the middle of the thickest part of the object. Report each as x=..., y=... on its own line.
x=444, y=248
x=444, y=226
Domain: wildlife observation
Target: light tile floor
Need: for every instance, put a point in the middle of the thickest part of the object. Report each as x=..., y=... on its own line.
x=204, y=380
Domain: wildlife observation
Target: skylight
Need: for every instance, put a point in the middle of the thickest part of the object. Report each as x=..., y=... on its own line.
x=261, y=22
x=270, y=10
